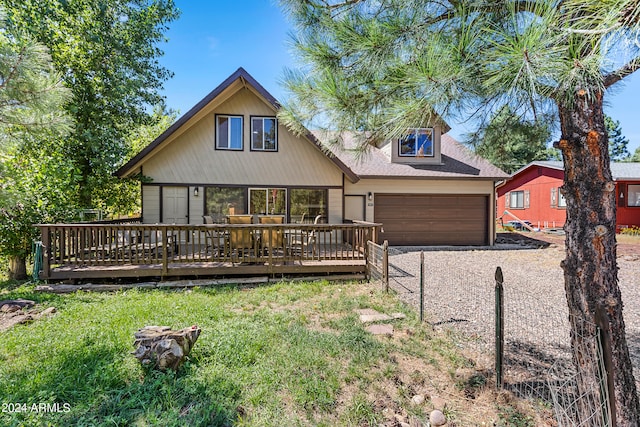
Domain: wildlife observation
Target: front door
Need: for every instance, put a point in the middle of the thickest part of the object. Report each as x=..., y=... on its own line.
x=175, y=206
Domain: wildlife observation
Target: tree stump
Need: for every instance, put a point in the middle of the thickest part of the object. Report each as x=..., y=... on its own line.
x=162, y=348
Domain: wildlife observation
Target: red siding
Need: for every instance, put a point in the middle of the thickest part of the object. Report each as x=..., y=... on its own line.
x=539, y=181
x=626, y=216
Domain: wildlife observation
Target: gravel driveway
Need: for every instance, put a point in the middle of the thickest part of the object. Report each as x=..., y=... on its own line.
x=459, y=292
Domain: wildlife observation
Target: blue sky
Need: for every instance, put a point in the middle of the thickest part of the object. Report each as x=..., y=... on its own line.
x=212, y=38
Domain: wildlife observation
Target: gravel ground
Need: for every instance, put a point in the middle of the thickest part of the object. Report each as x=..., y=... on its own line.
x=459, y=292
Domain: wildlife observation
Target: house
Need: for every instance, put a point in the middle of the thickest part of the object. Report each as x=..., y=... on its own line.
x=229, y=155
x=533, y=194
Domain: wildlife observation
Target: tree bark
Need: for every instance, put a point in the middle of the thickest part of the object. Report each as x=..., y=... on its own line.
x=590, y=267
x=17, y=268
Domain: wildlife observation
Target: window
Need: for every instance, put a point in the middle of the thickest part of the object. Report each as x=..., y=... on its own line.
x=562, y=202
x=518, y=199
x=557, y=199
x=633, y=195
x=268, y=201
x=223, y=201
x=306, y=204
x=417, y=143
x=264, y=134
x=229, y=132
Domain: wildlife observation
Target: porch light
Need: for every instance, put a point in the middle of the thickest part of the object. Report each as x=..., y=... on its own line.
x=622, y=194
x=370, y=196
x=195, y=192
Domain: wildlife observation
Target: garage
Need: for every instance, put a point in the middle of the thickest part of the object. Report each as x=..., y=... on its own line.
x=433, y=219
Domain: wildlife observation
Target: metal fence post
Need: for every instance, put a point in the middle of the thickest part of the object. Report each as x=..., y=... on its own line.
x=385, y=265
x=421, y=286
x=499, y=326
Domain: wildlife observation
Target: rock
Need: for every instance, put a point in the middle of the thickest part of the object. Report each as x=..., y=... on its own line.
x=400, y=418
x=47, y=312
x=380, y=329
x=405, y=425
x=437, y=418
x=162, y=348
x=12, y=305
x=418, y=399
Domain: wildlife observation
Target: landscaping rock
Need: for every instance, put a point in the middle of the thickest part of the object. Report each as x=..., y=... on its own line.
x=9, y=306
x=418, y=399
x=437, y=418
x=162, y=348
x=47, y=312
x=368, y=315
x=380, y=329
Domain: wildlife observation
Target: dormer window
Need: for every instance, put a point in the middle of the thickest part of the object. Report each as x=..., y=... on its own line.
x=418, y=142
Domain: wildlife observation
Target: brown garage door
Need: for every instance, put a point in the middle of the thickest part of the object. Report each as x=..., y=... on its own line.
x=430, y=219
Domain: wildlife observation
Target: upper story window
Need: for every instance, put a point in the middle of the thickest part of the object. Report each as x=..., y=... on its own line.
x=417, y=142
x=264, y=134
x=228, y=132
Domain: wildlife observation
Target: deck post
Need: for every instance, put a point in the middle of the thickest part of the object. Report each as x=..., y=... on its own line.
x=165, y=258
x=46, y=252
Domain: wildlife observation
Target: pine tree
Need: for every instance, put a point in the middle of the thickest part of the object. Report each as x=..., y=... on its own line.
x=388, y=65
x=32, y=95
x=509, y=141
x=617, y=141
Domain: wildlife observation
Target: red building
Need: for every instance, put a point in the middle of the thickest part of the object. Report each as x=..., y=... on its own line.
x=532, y=194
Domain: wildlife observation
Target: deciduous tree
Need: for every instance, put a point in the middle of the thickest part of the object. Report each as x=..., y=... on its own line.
x=387, y=65
x=107, y=52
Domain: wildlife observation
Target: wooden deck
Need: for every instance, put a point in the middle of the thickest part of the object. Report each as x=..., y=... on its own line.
x=106, y=251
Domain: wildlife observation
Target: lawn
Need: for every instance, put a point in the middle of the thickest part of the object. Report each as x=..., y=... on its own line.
x=287, y=354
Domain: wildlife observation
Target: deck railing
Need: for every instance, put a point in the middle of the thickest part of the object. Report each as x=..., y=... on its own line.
x=83, y=245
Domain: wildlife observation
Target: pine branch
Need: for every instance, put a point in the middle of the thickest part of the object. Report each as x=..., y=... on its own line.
x=626, y=70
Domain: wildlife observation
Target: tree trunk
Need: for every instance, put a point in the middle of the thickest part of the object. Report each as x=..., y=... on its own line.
x=17, y=268
x=590, y=267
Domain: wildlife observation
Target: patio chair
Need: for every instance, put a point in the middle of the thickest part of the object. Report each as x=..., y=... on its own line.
x=313, y=238
x=240, y=239
x=270, y=238
x=304, y=244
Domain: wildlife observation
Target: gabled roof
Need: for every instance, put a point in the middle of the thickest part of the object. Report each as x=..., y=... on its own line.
x=619, y=170
x=245, y=77
x=458, y=162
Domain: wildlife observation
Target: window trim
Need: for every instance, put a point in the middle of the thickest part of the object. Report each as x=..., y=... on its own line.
x=627, y=200
x=217, y=132
x=524, y=199
x=266, y=189
x=415, y=130
x=263, y=118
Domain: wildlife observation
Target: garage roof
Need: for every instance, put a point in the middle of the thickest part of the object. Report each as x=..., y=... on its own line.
x=458, y=162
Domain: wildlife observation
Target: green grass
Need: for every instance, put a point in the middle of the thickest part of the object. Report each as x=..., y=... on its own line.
x=291, y=354
x=258, y=361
